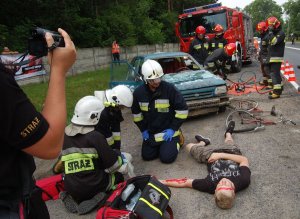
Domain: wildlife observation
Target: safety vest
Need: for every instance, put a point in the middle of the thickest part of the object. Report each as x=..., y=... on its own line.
x=115, y=48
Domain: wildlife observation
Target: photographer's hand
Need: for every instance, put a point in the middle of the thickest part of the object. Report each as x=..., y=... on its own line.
x=54, y=111
x=61, y=58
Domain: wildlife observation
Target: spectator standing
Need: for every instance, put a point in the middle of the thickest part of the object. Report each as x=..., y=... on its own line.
x=115, y=50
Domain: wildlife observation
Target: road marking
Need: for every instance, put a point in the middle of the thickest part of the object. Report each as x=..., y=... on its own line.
x=292, y=48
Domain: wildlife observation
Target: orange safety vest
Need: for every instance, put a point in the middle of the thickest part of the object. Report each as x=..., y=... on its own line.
x=115, y=48
x=256, y=44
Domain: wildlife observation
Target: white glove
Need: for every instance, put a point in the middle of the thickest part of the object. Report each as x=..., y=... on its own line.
x=127, y=167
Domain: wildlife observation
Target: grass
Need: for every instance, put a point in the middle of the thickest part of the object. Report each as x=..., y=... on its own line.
x=77, y=87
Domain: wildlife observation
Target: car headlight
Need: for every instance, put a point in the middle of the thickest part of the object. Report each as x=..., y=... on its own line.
x=220, y=90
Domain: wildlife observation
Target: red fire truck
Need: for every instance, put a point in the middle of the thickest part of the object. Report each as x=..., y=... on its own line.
x=237, y=26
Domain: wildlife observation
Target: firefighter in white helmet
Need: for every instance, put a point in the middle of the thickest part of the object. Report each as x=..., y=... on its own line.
x=111, y=117
x=159, y=110
x=86, y=153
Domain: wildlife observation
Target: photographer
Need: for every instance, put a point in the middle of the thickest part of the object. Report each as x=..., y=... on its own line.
x=25, y=133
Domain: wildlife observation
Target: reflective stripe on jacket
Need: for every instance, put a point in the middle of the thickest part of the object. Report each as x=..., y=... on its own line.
x=276, y=46
x=160, y=110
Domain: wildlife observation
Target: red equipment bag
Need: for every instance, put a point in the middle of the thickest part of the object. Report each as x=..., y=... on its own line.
x=51, y=187
x=152, y=198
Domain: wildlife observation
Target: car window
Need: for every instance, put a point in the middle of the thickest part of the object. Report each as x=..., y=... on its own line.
x=177, y=64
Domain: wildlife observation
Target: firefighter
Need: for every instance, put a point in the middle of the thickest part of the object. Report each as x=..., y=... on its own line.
x=159, y=110
x=111, y=117
x=112, y=101
x=219, y=61
x=218, y=41
x=262, y=29
x=90, y=165
x=275, y=54
x=200, y=45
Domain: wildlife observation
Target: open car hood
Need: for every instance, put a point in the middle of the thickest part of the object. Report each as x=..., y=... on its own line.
x=194, y=79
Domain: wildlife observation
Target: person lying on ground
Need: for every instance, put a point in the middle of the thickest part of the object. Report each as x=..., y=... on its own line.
x=228, y=170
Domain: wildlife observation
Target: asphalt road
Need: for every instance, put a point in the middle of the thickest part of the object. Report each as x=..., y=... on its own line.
x=274, y=155
x=292, y=55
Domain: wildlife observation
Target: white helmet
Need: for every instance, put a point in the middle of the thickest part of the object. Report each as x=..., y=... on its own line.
x=87, y=111
x=120, y=95
x=151, y=69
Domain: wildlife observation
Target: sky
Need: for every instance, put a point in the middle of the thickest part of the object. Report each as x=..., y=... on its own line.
x=243, y=3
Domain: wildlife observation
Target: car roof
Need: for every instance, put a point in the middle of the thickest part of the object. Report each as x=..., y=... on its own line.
x=158, y=55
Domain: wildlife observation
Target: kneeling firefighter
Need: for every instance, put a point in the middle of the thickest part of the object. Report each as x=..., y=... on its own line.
x=90, y=164
x=111, y=117
x=159, y=110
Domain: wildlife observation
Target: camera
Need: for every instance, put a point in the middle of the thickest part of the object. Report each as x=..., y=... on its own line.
x=37, y=45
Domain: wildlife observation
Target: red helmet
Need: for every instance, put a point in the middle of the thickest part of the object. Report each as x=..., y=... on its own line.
x=218, y=29
x=261, y=27
x=200, y=30
x=230, y=49
x=273, y=22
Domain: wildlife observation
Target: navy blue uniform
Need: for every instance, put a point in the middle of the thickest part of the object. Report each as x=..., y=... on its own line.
x=275, y=57
x=157, y=111
x=199, y=49
x=109, y=126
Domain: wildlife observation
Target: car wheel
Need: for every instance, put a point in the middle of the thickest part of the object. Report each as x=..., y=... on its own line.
x=237, y=65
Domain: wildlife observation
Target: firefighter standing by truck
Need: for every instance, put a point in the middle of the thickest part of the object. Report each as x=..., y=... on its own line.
x=218, y=41
x=159, y=110
x=262, y=29
x=275, y=55
x=199, y=47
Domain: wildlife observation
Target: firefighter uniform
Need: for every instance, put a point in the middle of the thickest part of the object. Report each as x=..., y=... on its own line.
x=199, y=49
x=109, y=125
x=275, y=58
x=89, y=165
x=262, y=57
x=165, y=108
x=217, y=42
x=218, y=62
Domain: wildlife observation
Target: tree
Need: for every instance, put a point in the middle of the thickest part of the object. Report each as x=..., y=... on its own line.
x=292, y=8
x=260, y=10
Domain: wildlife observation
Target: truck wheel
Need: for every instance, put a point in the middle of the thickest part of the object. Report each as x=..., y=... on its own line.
x=237, y=65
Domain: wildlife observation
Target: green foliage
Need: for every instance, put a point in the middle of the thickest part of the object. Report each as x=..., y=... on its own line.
x=260, y=10
x=292, y=8
x=93, y=23
x=76, y=87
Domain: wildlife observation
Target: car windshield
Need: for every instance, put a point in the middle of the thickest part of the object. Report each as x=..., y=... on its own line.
x=177, y=64
x=189, y=24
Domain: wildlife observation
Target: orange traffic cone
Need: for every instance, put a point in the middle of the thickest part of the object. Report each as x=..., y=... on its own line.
x=292, y=76
x=287, y=70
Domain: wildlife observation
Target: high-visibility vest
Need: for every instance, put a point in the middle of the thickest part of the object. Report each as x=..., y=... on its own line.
x=115, y=48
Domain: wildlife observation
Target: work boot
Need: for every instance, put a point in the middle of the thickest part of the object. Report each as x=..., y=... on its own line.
x=230, y=127
x=58, y=167
x=200, y=138
x=70, y=204
x=89, y=205
x=263, y=82
x=181, y=138
x=276, y=92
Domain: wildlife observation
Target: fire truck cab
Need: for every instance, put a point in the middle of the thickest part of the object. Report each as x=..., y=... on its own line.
x=237, y=26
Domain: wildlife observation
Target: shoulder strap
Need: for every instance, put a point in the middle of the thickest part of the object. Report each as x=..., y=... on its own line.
x=170, y=211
